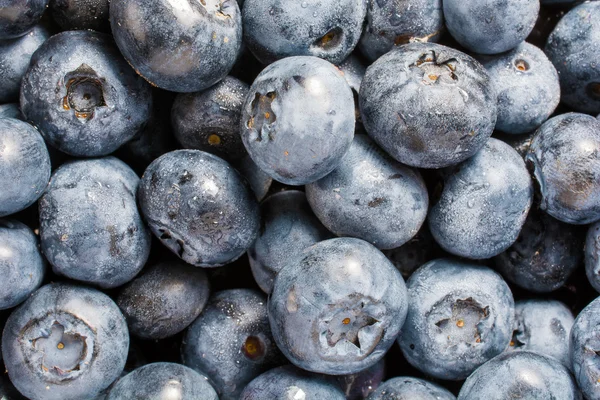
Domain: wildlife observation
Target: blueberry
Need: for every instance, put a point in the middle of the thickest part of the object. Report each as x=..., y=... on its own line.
x=90, y=227
x=410, y=388
x=574, y=49
x=257, y=179
x=164, y=300
x=231, y=341
x=199, y=207
x=80, y=14
x=527, y=86
x=17, y=17
x=544, y=327
x=182, y=46
x=298, y=119
x=338, y=307
x=584, y=350
x=358, y=386
x=22, y=266
x=370, y=196
x=565, y=156
x=428, y=105
x=15, y=55
x=65, y=342
x=396, y=22
x=490, y=26
x=460, y=315
x=484, y=203
x=592, y=255
x=24, y=166
x=274, y=29
x=163, y=380
x=544, y=255
x=414, y=253
x=289, y=382
x=520, y=375
x=210, y=120
x=11, y=110
x=288, y=227
x=82, y=95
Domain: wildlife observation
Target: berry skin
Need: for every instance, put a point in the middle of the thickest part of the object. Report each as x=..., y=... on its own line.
x=90, y=227
x=521, y=374
x=22, y=266
x=370, y=196
x=162, y=380
x=17, y=17
x=460, y=315
x=82, y=96
x=65, y=342
x=565, y=157
x=181, y=46
x=338, y=307
x=24, y=165
x=199, y=207
x=298, y=119
x=275, y=29
x=428, y=105
x=484, y=203
x=490, y=26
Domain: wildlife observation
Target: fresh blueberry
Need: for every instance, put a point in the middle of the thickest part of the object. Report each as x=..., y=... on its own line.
x=370, y=196
x=428, y=105
x=15, y=55
x=274, y=29
x=396, y=22
x=164, y=300
x=584, y=350
x=289, y=382
x=574, y=49
x=181, y=46
x=592, y=255
x=338, y=307
x=17, y=17
x=490, y=26
x=22, y=266
x=298, y=119
x=82, y=95
x=80, y=14
x=544, y=327
x=417, y=251
x=527, y=86
x=484, y=203
x=257, y=179
x=288, y=227
x=11, y=110
x=358, y=386
x=520, y=143
x=231, y=341
x=163, y=380
x=24, y=165
x=544, y=255
x=520, y=375
x=210, y=120
x=199, y=207
x=65, y=342
x=460, y=315
x=90, y=227
x=565, y=156
x=405, y=387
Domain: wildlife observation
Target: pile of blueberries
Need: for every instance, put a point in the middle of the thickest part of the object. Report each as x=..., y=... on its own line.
x=299, y=199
